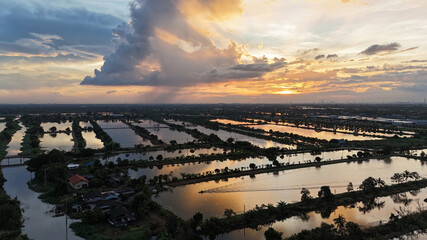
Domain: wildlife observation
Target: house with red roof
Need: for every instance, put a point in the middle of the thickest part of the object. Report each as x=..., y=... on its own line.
x=78, y=182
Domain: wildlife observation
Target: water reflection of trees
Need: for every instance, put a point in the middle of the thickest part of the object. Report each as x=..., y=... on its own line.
x=387, y=160
x=415, y=192
x=370, y=204
x=305, y=217
x=401, y=198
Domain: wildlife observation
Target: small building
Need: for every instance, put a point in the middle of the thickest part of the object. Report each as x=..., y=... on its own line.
x=110, y=195
x=73, y=166
x=126, y=191
x=120, y=217
x=112, y=181
x=92, y=196
x=78, y=182
x=88, y=176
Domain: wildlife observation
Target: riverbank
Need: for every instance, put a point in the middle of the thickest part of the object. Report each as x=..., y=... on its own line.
x=262, y=216
x=268, y=170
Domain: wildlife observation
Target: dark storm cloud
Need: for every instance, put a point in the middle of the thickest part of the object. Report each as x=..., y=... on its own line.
x=246, y=71
x=332, y=56
x=76, y=26
x=261, y=66
x=138, y=40
x=377, y=48
x=319, y=57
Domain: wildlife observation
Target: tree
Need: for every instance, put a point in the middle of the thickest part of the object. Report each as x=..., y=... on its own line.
x=406, y=175
x=423, y=154
x=197, y=218
x=305, y=195
x=325, y=193
x=387, y=149
x=353, y=230
x=415, y=175
x=350, y=187
x=272, y=234
x=380, y=182
x=229, y=212
x=159, y=157
x=230, y=140
x=368, y=184
x=252, y=166
x=397, y=177
x=93, y=216
x=340, y=223
x=318, y=159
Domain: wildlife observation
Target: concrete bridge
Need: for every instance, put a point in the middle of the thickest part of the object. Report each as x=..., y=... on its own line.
x=17, y=160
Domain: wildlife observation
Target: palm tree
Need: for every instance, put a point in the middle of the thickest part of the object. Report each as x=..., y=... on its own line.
x=406, y=175
x=281, y=205
x=380, y=182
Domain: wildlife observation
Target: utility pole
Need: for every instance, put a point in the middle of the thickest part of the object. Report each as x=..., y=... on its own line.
x=45, y=182
x=66, y=221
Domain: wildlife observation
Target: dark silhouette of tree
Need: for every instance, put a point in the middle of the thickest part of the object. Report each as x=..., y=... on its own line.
x=350, y=187
x=325, y=193
x=272, y=234
x=229, y=212
x=305, y=195
x=340, y=223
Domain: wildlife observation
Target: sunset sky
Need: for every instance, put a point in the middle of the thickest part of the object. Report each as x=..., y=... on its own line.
x=213, y=51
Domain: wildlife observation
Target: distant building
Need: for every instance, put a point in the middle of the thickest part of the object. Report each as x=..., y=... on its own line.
x=73, y=166
x=78, y=182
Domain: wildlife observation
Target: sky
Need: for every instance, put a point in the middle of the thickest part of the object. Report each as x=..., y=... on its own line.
x=213, y=51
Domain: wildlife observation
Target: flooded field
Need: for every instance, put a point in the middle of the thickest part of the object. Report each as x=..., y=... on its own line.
x=164, y=133
x=342, y=130
x=122, y=134
x=61, y=141
x=14, y=147
x=59, y=126
x=38, y=222
x=228, y=121
x=91, y=140
x=224, y=135
x=365, y=214
x=165, y=154
x=311, y=132
x=2, y=126
x=235, y=193
x=194, y=168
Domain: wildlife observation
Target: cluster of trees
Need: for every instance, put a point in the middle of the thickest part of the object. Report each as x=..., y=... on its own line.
x=50, y=169
x=109, y=144
x=370, y=184
x=79, y=141
x=323, y=194
x=31, y=141
x=10, y=216
x=340, y=230
x=6, y=135
x=405, y=176
x=145, y=134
